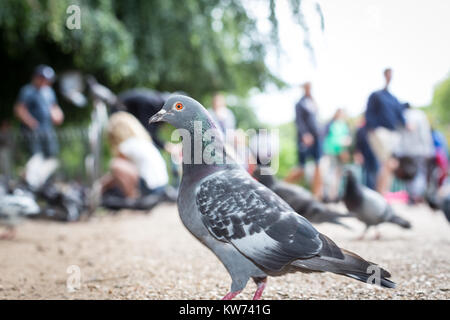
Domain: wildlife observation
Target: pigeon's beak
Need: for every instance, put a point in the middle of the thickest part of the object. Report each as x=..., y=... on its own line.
x=158, y=116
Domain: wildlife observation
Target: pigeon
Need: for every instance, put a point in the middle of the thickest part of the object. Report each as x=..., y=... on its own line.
x=101, y=92
x=446, y=207
x=64, y=201
x=300, y=199
x=443, y=200
x=368, y=205
x=13, y=209
x=252, y=231
x=438, y=197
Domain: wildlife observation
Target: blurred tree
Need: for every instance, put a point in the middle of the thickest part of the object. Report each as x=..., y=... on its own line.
x=439, y=110
x=198, y=46
x=288, y=148
x=441, y=102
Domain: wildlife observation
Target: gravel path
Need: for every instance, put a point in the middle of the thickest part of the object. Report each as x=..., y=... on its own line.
x=140, y=256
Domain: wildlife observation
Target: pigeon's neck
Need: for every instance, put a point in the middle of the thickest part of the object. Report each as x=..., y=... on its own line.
x=204, y=148
x=353, y=191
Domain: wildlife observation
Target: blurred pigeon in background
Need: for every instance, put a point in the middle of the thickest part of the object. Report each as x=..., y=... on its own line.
x=446, y=207
x=64, y=201
x=438, y=197
x=368, y=205
x=442, y=197
x=249, y=228
x=13, y=209
x=71, y=86
x=299, y=199
x=101, y=92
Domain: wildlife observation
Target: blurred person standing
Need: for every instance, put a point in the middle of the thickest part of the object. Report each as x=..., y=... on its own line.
x=221, y=114
x=308, y=140
x=417, y=146
x=365, y=157
x=384, y=117
x=38, y=110
x=335, y=147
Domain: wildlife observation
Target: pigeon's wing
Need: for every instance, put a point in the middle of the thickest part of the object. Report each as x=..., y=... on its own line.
x=237, y=209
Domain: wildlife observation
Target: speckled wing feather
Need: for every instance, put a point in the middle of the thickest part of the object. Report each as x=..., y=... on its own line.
x=236, y=208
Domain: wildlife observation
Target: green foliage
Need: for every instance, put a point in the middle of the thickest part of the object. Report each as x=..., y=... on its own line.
x=245, y=117
x=288, y=148
x=73, y=149
x=439, y=110
x=197, y=46
x=441, y=101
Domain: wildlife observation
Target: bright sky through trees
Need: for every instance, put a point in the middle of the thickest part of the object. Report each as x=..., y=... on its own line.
x=360, y=39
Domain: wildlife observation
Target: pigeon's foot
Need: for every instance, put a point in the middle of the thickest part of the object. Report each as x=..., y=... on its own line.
x=231, y=295
x=377, y=236
x=259, y=291
x=361, y=237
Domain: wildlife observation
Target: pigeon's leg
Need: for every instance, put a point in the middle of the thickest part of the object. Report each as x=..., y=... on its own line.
x=231, y=295
x=261, y=283
x=361, y=237
x=377, y=234
x=9, y=234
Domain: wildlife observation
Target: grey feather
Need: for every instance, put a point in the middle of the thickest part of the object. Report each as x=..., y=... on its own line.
x=237, y=209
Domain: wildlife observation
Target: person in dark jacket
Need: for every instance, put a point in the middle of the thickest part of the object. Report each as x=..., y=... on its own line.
x=384, y=117
x=309, y=144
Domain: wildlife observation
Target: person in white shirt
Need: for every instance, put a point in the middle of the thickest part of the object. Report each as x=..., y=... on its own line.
x=137, y=167
x=148, y=161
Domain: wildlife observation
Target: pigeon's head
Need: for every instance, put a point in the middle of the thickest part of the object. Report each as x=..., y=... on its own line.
x=181, y=111
x=266, y=179
x=350, y=177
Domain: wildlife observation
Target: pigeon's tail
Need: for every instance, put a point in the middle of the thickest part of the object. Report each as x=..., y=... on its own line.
x=400, y=221
x=346, y=263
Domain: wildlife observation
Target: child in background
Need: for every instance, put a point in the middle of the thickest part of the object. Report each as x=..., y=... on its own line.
x=336, y=143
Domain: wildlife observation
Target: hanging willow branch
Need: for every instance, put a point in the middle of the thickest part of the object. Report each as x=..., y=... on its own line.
x=298, y=15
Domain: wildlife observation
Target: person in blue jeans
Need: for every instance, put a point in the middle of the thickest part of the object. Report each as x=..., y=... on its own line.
x=38, y=110
x=309, y=144
x=365, y=156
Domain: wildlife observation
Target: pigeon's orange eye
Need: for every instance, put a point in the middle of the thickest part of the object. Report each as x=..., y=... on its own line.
x=179, y=106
